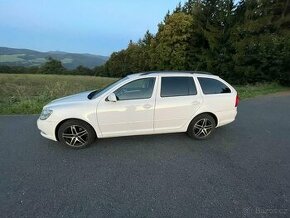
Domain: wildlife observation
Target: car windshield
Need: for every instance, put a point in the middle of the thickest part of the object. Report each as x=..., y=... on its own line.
x=97, y=93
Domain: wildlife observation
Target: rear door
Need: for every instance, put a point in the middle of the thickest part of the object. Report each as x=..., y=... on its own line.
x=177, y=101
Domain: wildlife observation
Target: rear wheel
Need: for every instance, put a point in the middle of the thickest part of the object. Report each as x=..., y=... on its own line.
x=76, y=134
x=201, y=127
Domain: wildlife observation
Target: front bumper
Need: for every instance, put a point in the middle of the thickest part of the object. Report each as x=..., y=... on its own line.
x=47, y=129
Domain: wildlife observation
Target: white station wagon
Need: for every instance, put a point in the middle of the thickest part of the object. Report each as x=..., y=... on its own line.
x=139, y=104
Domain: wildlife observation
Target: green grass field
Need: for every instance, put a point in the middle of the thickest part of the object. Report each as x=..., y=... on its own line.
x=27, y=93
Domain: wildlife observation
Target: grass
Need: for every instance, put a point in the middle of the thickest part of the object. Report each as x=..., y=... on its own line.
x=250, y=91
x=28, y=93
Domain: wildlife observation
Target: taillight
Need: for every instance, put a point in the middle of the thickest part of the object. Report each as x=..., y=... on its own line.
x=237, y=101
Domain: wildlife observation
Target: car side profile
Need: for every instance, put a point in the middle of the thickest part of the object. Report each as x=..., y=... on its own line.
x=139, y=104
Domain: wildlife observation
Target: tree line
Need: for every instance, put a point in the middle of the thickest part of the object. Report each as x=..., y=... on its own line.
x=51, y=66
x=244, y=43
x=248, y=42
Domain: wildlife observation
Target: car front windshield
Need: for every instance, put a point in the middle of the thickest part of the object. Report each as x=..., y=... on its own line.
x=99, y=92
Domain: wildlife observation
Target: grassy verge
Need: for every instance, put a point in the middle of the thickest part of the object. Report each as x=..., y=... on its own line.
x=250, y=91
x=27, y=93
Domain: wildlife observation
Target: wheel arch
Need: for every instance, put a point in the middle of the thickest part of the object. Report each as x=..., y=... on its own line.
x=209, y=113
x=63, y=121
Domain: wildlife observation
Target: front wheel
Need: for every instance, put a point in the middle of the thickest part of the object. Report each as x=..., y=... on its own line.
x=201, y=127
x=76, y=134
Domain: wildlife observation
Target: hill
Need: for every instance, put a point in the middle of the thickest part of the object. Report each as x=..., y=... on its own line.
x=27, y=57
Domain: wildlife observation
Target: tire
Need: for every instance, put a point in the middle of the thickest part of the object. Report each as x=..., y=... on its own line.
x=76, y=134
x=201, y=127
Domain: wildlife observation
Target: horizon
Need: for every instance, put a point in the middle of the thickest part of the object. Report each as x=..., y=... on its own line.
x=51, y=51
x=30, y=24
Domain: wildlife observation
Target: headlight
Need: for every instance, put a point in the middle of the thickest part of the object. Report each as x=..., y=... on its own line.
x=45, y=114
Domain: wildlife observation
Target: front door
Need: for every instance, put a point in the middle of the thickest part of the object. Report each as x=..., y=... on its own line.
x=133, y=111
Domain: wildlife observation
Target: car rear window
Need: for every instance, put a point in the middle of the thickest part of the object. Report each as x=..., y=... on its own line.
x=213, y=86
x=177, y=86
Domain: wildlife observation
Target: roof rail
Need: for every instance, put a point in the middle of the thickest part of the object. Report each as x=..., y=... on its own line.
x=191, y=72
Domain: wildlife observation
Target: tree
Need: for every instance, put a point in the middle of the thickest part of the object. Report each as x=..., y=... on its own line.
x=189, y=6
x=146, y=51
x=81, y=70
x=173, y=42
x=261, y=43
x=244, y=43
x=52, y=66
x=213, y=22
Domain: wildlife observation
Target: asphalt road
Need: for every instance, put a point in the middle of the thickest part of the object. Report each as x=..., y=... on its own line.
x=243, y=170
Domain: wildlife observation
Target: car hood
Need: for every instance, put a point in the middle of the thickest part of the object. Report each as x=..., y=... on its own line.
x=77, y=98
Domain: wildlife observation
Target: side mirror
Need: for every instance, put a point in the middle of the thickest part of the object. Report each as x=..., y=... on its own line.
x=112, y=97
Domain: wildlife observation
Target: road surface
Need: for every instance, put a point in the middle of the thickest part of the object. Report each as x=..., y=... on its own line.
x=243, y=170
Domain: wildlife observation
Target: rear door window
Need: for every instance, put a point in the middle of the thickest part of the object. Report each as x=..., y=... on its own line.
x=177, y=86
x=213, y=86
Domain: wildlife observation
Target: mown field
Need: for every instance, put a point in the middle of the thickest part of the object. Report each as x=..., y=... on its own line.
x=27, y=93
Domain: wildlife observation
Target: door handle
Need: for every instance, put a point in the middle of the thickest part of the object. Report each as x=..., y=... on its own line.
x=147, y=106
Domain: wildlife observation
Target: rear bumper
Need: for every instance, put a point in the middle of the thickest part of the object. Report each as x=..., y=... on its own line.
x=226, y=117
x=47, y=129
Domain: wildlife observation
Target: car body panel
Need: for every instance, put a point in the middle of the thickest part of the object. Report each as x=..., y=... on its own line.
x=142, y=116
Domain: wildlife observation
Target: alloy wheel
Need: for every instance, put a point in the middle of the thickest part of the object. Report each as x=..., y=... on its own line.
x=75, y=136
x=202, y=128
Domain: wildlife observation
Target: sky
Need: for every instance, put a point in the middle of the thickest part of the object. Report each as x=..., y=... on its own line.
x=82, y=26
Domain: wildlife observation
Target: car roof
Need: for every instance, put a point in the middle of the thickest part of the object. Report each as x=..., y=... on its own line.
x=173, y=73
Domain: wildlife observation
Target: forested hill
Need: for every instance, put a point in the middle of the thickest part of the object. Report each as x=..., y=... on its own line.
x=29, y=58
x=244, y=43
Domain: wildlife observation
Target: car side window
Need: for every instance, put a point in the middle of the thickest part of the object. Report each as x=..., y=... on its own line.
x=177, y=86
x=212, y=86
x=137, y=89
